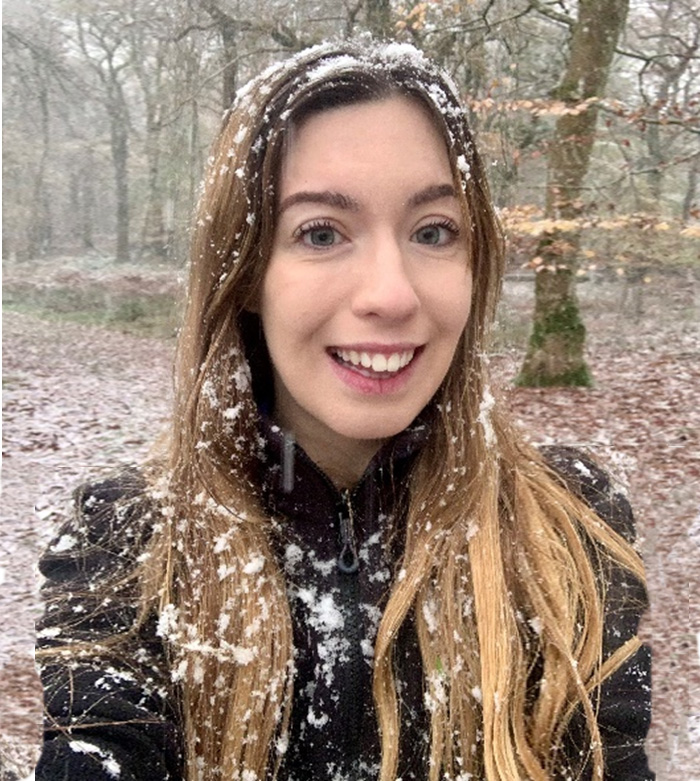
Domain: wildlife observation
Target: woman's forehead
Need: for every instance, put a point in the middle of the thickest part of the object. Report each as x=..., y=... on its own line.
x=328, y=137
x=395, y=131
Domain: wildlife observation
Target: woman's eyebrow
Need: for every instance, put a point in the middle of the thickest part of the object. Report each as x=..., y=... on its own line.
x=327, y=197
x=432, y=193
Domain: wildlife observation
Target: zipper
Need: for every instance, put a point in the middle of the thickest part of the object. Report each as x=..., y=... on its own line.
x=348, y=561
x=354, y=672
x=354, y=676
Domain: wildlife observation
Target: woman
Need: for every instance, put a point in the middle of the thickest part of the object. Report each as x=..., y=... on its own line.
x=347, y=565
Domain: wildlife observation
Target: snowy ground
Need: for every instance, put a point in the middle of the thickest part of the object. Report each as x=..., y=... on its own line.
x=643, y=419
x=79, y=400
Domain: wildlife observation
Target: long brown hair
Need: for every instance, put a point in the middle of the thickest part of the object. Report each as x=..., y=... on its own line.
x=501, y=576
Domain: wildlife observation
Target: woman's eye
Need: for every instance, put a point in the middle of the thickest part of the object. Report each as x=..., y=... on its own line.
x=319, y=236
x=436, y=235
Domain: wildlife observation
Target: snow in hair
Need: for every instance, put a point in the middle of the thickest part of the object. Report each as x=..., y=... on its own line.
x=364, y=55
x=333, y=62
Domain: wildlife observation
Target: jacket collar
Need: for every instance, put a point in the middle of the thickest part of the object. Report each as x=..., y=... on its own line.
x=295, y=486
x=287, y=462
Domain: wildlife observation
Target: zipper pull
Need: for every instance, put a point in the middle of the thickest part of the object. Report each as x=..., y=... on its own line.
x=348, y=561
x=288, y=462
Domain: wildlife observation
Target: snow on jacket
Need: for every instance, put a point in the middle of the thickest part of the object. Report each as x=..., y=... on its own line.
x=112, y=716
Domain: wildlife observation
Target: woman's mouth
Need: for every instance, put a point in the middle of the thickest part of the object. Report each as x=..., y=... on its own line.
x=374, y=364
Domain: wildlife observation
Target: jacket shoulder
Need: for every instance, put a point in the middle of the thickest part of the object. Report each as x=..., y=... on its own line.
x=111, y=521
x=586, y=478
x=624, y=707
x=111, y=707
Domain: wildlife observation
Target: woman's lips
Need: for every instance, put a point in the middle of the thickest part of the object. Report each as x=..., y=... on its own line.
x=375, y=370
x=375, y=362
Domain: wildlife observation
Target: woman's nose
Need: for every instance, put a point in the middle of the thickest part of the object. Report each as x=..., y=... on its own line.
x=384, y=285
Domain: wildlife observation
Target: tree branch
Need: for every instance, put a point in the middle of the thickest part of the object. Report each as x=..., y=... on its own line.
x=550, y=13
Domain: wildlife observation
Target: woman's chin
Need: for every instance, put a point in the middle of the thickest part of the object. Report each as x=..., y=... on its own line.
x=368, y=428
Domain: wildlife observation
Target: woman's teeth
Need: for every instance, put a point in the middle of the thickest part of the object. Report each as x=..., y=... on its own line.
x=377, y=362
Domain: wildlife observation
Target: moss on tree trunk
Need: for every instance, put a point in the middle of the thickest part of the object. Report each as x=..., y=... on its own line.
x=555, y=351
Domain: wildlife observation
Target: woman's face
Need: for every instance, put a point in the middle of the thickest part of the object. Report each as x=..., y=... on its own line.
x=368, y=286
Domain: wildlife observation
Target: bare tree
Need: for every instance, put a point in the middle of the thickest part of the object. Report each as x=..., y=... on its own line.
x=101, y=36
x=555, y=352
x=246, y=30
x=229, y=28
x=665, y=44
x=33, y=70
x=152, y=43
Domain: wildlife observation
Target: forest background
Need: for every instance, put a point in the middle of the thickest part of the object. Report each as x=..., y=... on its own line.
x=587, y=114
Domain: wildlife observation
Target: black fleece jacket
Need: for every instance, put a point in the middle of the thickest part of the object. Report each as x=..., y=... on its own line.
x=117, y=717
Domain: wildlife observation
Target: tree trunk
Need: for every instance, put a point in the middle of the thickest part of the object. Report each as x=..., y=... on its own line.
x=120, y=160
x=558, y=335
x=119, y=142
x=98, y=33
x=228, y=28
x=154, y=239
x=229, y=37
x=87, y=201
x=555, y=354
x=656, y=160
x=691, y=190
x=655, y=164
x=40, y=229
x=379, y=18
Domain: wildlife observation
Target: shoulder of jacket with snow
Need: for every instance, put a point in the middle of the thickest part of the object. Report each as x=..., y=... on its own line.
x=585, y=477
x=111, y=521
